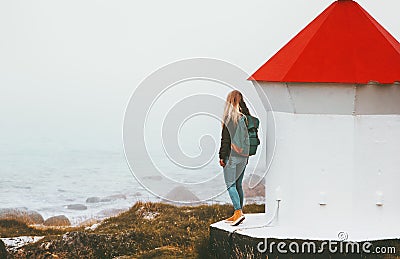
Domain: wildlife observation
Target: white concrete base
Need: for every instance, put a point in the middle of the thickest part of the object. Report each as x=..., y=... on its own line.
x=251, y=227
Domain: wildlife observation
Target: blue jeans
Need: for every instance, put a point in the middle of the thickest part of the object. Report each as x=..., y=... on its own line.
x=233, y=175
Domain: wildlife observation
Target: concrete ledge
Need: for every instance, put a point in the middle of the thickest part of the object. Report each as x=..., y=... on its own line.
x=230, y=242
x=243, y=241
x=225, y=244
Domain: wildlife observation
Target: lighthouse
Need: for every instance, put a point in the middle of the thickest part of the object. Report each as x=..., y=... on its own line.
x=335, y=96
x=333, y=132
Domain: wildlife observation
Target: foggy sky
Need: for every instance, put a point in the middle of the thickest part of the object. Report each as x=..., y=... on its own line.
x=68, y=68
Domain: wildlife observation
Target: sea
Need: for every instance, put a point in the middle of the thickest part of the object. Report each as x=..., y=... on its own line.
x=58, y=181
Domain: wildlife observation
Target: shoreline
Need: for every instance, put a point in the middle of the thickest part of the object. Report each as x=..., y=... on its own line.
x=146, y=228
x=37, y=218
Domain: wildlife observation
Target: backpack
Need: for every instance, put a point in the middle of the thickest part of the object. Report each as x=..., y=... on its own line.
x=245, y=141
x=252, y=127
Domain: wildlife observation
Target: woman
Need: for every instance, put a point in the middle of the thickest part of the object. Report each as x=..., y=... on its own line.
x=231, y=157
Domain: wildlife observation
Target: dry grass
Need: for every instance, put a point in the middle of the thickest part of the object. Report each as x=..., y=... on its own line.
x=178, y=231
x=157, y=230
x=14, y=228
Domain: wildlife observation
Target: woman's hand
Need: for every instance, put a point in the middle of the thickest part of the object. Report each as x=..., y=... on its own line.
x=222, y=162
x=236, y=148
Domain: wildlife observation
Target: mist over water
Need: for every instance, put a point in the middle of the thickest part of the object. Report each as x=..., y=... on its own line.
x=46, y=165
x=65, y=83
x=48, y=180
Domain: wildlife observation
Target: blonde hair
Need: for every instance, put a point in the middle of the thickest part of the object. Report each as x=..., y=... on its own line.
x=232, y=109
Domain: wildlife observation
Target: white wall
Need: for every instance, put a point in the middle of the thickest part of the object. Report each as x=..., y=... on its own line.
x=330, y=98
x=341, y=160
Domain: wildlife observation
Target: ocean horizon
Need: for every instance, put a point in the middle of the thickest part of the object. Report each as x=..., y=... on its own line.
x=80, y=184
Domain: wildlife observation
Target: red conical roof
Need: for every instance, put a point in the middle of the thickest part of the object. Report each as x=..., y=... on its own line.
x=344, y=44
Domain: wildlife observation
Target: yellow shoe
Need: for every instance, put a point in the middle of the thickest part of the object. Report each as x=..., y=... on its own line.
x=230, y=219
x=238, y=218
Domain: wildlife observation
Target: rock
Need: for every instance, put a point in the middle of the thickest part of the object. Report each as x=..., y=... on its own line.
x=89, y=222
x=60, y=220
x=149, y=215
x=93, y=227
x=181, y=193
x=93, y=200
x=35, y=217
x=22, y=214
x=106, y=213
x=76, y=207
x=106, y=199
x=254, y=186
x=3, y=250
x=14, y=244
x=114, y=197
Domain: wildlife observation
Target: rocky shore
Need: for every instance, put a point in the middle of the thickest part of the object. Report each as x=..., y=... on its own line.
x=147, y=230
x=32, y=217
